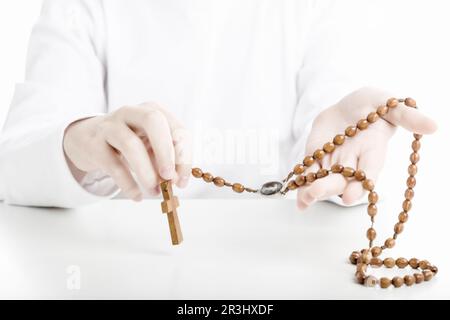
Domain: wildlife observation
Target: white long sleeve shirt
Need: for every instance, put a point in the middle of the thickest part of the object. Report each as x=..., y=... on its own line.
x=246, y=77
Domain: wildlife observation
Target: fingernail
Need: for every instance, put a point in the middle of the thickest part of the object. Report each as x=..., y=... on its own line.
x=138, y=197
x=183, y=182
x=167, y=172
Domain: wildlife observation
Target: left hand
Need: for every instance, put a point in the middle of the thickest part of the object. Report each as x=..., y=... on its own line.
x=365, y=151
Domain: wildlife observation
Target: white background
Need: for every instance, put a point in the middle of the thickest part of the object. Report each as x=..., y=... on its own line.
x=418, y=54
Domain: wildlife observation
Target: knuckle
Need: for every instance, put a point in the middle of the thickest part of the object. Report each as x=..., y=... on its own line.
x=153, y=116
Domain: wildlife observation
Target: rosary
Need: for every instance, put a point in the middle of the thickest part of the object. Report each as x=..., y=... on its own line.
x=298, y=178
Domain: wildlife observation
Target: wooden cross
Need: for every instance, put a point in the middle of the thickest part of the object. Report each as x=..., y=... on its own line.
x=169, y=206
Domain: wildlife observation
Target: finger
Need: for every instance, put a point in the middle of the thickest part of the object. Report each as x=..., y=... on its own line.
x=411, y=119
x=321, y=189
x=111, y=163
x=123, y=139
x=154, y=123
x=183, y=155
x=303, y=201
x=348, y=158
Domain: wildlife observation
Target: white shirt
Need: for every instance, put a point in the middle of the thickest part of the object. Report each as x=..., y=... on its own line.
x=246, y=77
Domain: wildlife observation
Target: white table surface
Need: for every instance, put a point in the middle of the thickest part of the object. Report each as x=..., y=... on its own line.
x=237, y=249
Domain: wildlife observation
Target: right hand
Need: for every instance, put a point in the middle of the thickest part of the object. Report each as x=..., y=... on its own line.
x=145, y=139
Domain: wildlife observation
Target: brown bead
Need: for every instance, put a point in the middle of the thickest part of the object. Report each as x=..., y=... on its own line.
x=427, y=275
x=350, y=131
x=319, y=154
x=337, y=168
x=403, y=217
x=219, y=182
x=372, y=197
x=424, y=264
x=328, y=147
x=239, y=188
x=389, y=243
x=414, y=158
x=360, y=175
x=361, y=267
x=411, y=182
x=368, y=185
x=292, y=185
x=419, y=277
x=397, y=282
x=417, y=136
x=299, y=169
x=360, y=277
x=434, y=269
x=371, y=234
x=385, y=282
x=407, y=205
x=365, y=257
x=409, y=280
x=398, y=228
x=389, y=262
x=354, y=257
x=311, y=177
x=300, y=180
x=382, y=110
x=376, y=262
x=376, y=251
x=401, y=263
x=348, y=172
x=197, y=172
x=409, y=194
x=414, y=263
x=322, y=173
x=370, y=281
x=208, y=177
x=410, y=102
x=392, y=103
x=412, y=169
x=373, y=117
x=308, y=161
x=362, y=124
x=415, y=145
x=372, y=210
x=339, y=139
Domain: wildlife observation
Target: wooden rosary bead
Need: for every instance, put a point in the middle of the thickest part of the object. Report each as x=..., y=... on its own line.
x=300, y=181
x=414, y=263
x=411, y=182
x=382, y=110
x=389, y=243
x=354, y=256
x=197, y=172
x=407, y=205
x=419, y=277
x=389, y=263
x=427, y=275
x=360, y=277
x=308, y=161
x=348, y=172
x=350, y=131
x=392, y=103
x=361, y=267
x=319, y=154
x=237, y=187
x=376, y=262
x=365, y=257
x=368, y=185
x=219, y=182
x=371, y=234
x=373, y=117
x=370, y=281
x=409, y=194
x=410, y=102
x=292, y=185
x=339, y=139
x=328, y=147
x=311, y=177
x=409, y=280
x=417, y=136
x=402, y=263
x=362, y=124
x=397, y=282
x=376, y=251
x=208, y=177
x=412, y=169
x=398, y=228
x=299, y=169
x=403, y=217
x=415, y=145
x=414, y=158
x=321, y=173
x=360, y=175
x=434, y=269
x=385, y=282
x=424, y=264
x=372, y=210
x=372, y=197
x=337, y=168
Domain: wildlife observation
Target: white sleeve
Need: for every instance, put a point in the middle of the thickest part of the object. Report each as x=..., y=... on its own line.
x=65, y=81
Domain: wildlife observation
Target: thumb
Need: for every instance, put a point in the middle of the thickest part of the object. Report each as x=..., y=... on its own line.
x=411, y=119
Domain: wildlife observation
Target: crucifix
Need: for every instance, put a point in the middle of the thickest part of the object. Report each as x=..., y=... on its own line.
x=169, y=206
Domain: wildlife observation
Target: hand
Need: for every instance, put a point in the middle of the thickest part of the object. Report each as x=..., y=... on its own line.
x=145, y=139
x=365, y=151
